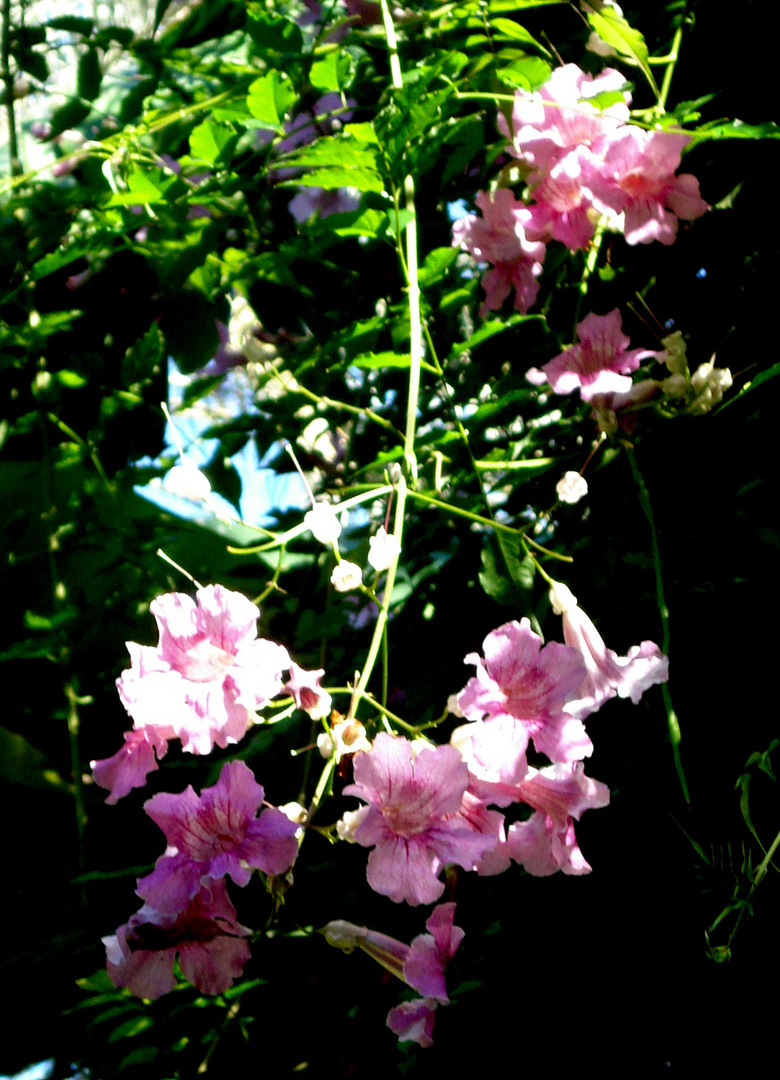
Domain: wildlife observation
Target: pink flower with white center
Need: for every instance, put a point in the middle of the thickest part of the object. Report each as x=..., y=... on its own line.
x=607, y=673
x=421, y=965
x=206, y=935
x=637, y=177
x=209, y=672
x=562, y=208
x=599, y=364
x=413, y=820
x=530, y=684
x=213, y=835
x=307, y=692
x=499, y=237
x=559, y=117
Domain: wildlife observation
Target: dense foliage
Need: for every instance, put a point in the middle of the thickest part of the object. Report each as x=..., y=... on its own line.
x=337, y=227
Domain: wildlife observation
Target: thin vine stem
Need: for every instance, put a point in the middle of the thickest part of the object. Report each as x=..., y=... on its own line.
x=675, y=735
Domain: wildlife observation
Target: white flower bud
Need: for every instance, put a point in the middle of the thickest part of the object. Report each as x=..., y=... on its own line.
x=346, y=576
x=384, y=548
x=562, y=598
x=346, y=826
x=187, y=481
x=571, y=487
x=324, y=524
x=325, y=746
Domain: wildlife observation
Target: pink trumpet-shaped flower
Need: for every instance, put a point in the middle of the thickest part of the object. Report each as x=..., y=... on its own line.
x=607, y=673
x=499, y=237
x=638, y=177
x=202, y=684
x=213, y=835
x=520, y=679
x=599, y=364
x=413, y=820
x=421, y=965
x=206, y=935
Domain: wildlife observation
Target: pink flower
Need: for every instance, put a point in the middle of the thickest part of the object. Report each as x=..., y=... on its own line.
x=637, y=177
x=209, y=672
x=421, y=965
x=213, y=835
x=129, y=767
x=413, y=819
x=529, y=684
x=561, y=206
x=206, y=936
x=598, y=364
x=559, y=117
x=499, y=237
x=307, y=692
x=607, y=673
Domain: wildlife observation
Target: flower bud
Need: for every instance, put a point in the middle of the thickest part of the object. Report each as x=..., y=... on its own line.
x=324, y=524
x=346, y=576
x=571, y=487
x=384, y=548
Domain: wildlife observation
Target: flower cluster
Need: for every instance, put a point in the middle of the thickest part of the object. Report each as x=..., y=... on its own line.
x=582, y=163
x=202, y=684
x=187, y=909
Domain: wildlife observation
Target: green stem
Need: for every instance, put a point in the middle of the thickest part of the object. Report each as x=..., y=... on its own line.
x=671, y=59
x=8, y=79
x=673, y=724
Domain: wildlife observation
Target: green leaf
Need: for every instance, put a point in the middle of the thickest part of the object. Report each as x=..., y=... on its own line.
x=627, y=42
x=527, y=72
x=88, y=75
x=361, y=179
x=386, y=360
x=490, y=329
x=142, y=190
x=436, y=265
x=324, y=73
x=73, y=24
x=141, y=361
x=131, y=1027
x=371, y=223
x=212, y=142
x=270, y=99
x=274, y=34
x=69, y=115
x=737, y=129
x=508, y=29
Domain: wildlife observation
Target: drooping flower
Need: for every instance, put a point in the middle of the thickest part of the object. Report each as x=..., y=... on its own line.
x=209, y=672
x=383, y=549
x=346, y=576
x=206, y=935
x=420, y=965
x=607, y=674
x=520, y=679
x=599, y=364
x=307, y=692
x=129, y=767
x=413, y=820
x=638, y=178
x=499, y=237
x=571, y=487
x=213, y=835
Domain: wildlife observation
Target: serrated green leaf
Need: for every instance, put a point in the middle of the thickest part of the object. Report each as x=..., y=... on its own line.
x=515, y=32
x=211, y=141
x=386, y=360
x=270, y=99
x=613, y=29
x=324, y=74
x=273, y=33
x=142, y=359
x=330, y=178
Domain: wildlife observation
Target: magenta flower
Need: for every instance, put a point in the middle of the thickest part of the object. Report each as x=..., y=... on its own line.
x=637, y=177
x=599, y=364
x=499, y=237
x=206, y=935
x=523, y=681
x=213, y=835
x=607, y=673
x=421, y=965
x=413, y=820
